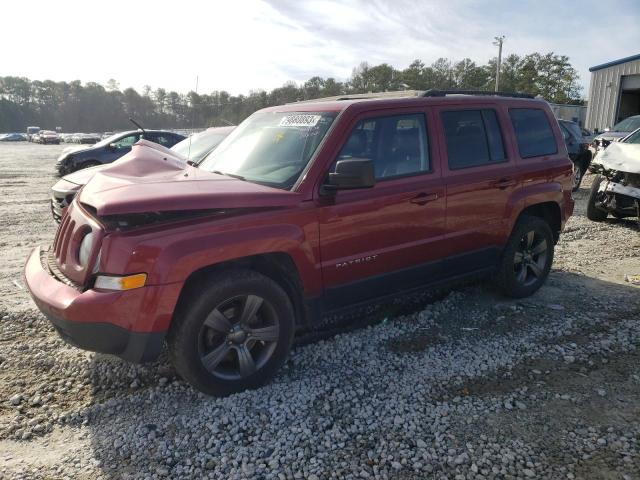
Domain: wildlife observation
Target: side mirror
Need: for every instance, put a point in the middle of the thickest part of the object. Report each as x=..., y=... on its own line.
x=113, y=146
x=352, y=173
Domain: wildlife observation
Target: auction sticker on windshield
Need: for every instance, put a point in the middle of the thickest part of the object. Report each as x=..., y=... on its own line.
x=299, y=120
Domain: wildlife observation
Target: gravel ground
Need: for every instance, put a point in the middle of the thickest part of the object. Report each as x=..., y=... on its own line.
x=470, y=385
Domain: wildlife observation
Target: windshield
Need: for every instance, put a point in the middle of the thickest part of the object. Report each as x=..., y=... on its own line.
x=633, y=137
x=627, y=125
x=270, y=147
x=198, y=145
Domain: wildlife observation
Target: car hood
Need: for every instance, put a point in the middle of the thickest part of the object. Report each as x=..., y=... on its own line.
x=624, y=157
x=611, y=136
x=152, y=178
x=82, y=177
x=74, y=149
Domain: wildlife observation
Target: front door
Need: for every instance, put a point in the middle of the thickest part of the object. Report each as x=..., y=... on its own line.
x=389, y=237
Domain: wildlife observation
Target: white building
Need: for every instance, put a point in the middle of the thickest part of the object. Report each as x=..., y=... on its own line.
x=614, y=92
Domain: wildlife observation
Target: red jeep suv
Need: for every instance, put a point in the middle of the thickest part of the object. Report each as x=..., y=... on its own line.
x=304, y=210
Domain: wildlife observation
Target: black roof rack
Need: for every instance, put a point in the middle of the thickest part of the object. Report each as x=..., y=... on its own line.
x=442, y=93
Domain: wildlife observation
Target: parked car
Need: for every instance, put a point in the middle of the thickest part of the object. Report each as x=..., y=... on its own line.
x=47, y=137
x=110, y=149
x=86, y=138
x=192, y=149
x=618, y=131
x=31, y=131
x=587, y=135
x=12, y=137
x=304, y=210
x=616, y=187
x=578, y=149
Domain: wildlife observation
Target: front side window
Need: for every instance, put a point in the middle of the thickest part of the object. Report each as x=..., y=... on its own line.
x=397, y=145
x=533, y=132
x=126, y=142
x=473, y=138
x=272, y=148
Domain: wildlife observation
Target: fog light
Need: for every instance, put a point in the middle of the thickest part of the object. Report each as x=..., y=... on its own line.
x=129, y=282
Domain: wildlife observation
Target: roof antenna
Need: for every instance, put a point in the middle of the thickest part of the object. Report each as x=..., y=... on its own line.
x=137, y=124
x=193, y=121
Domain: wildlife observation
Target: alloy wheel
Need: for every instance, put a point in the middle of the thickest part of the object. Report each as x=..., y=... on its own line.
x=530, y=258
x=238, y=337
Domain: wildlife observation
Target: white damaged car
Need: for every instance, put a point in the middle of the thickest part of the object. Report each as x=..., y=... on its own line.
x=616, y=188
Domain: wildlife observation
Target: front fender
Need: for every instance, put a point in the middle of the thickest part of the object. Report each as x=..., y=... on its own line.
x=172, y=257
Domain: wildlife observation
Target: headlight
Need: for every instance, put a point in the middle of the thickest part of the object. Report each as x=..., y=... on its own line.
x=85, y=249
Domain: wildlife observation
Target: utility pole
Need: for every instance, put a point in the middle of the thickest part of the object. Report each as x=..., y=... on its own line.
x=498, y=43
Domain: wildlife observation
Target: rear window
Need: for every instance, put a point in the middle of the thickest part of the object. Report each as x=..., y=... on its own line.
x=473, y=138
x=533, y=132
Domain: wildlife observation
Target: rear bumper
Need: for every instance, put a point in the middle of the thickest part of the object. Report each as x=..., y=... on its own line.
x=131, y=325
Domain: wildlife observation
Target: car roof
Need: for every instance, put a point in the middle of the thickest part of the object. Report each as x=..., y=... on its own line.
x=147, y=130
x=396, y=99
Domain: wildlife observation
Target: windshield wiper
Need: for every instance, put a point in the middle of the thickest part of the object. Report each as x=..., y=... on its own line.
x=233, y=175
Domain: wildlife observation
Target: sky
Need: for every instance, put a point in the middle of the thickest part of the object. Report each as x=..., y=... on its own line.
x=245, y=45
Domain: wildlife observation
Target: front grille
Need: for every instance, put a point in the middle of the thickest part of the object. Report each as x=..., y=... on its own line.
x=75, y=225
x=48, y=262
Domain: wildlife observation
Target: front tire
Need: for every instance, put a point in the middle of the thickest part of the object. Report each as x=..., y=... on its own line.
x=89, y=164
x=527, y=257
x=231, y=333
x=594, y=213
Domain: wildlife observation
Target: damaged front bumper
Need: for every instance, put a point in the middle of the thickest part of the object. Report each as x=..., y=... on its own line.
x=618, y=199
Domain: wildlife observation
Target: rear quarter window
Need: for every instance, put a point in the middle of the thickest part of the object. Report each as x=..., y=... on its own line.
x=533, y=132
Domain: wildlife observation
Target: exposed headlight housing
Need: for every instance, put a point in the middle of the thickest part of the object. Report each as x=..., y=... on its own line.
x=85, y=249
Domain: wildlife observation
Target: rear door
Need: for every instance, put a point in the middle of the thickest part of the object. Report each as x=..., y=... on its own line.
x=165, y=139
x=481, y=177
x=384, y=239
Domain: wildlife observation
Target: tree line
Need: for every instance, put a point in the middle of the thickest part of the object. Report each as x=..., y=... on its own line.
x=74, y=106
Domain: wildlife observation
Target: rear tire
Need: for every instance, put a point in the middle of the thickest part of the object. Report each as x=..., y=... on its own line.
x=231, y=333
x=579, y=170
x=527, y=257
x=594, y=213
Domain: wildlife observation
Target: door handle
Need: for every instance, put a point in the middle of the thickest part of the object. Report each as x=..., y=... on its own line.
x=424, y=198
x=504, y=183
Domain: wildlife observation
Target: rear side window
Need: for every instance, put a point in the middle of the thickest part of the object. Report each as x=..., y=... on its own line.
x=533, y=132
x=473, y=138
